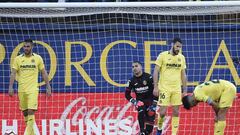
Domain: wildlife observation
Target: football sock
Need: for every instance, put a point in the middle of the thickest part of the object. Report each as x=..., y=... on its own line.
x=25, y=119
x=160, y=122
x=141, y=118
x=149, y=128
x=220, y=128
x=30, y=124
x=175, y=123
x=215, y=126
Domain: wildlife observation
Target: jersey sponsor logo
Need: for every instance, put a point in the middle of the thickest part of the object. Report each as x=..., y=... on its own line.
x=27, y=66
x=173, y=65
x=142, y=89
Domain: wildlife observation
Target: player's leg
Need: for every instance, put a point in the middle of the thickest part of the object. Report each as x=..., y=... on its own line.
x=28, y=115
x=141, y=120
x=25, y=114
x=215, y=118
x=23, y=105
x=221, y=123
x=161, y=118
x=176, y=102
x=225, y=103
x=32, y=107
x=30, y=122
x=149, y=128
x=163, y=102
x=175, y=119
x=150, y=119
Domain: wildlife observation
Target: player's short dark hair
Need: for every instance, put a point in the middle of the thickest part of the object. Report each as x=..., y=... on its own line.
x=186, y=103
x=177, y=39
x=29, y=41
x=137, y=62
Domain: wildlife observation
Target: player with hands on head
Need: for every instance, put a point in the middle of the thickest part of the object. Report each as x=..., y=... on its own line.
x=145, y=102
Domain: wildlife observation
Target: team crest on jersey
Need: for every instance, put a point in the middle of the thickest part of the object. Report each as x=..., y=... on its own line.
x=33, y=61
x=179, y=59
x=128, y=82
x=144, y=82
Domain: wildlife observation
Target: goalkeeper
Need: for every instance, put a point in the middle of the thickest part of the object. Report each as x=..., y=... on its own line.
x=217, y=93
x=142, y=85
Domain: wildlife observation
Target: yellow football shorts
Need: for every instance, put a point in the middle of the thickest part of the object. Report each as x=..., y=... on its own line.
x=169, y=97
x=28, y=100
x=228, y=95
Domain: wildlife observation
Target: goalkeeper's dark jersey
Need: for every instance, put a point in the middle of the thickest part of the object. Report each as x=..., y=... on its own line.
x=142, y=86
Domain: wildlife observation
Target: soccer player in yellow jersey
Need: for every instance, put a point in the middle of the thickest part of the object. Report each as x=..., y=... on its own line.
x=217, y=93
x=171, y=65
x=26, y=67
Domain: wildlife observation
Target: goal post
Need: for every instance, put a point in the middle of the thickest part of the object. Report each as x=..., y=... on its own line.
x=88, y=49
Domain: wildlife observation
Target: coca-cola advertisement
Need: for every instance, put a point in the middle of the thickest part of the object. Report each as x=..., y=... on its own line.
x=82, y=114
x=90, y=114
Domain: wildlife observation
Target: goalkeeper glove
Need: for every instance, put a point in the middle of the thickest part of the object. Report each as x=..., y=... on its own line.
x=136, y=103
x=152, y=109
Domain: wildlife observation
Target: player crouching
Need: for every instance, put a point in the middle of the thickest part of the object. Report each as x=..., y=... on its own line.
x=217, y=93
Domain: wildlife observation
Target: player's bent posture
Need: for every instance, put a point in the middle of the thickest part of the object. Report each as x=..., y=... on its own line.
x=142, y=85
x=26, y=66
x=217, y=93
x=171, y=66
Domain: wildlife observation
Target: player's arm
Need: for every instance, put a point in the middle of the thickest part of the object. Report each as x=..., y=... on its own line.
x=151, y=110
x=128, y=91
x=184, y=82
x=184, y=77
x=45, y=78
x=212, y=103
x=12, y=78
x=158, y=65
x=155, y=80
x=151, y=86
x=128, y=96
x=201, y=96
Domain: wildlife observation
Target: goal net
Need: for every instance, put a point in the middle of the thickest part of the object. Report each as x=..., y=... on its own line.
x=88, y=49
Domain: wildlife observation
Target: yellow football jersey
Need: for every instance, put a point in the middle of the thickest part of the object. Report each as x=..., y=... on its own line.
x=170, y=70
x=213, y=89
x=27, y=71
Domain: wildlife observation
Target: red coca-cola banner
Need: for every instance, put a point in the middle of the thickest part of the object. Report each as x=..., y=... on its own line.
x=104, y=114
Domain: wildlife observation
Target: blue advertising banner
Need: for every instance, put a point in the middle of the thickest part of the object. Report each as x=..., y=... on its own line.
x=98, y=57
